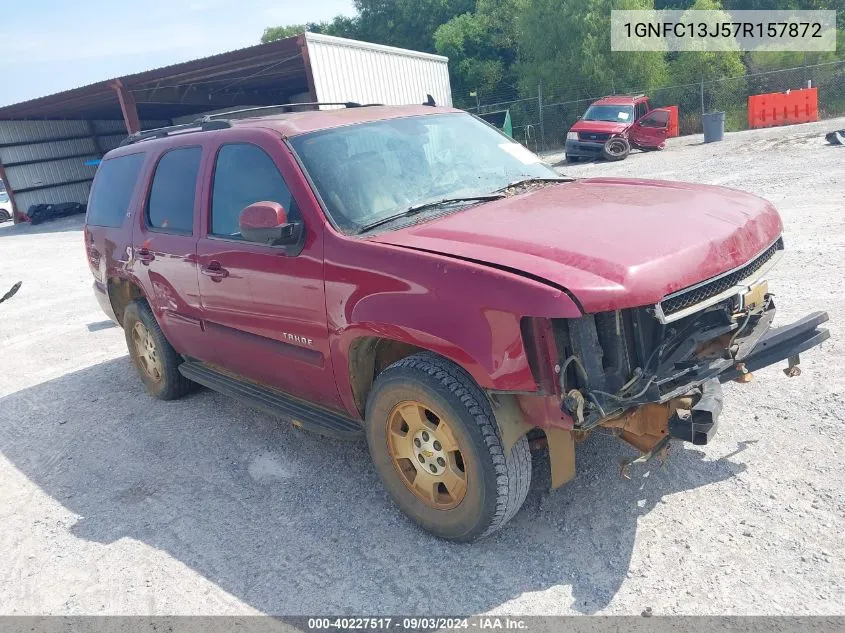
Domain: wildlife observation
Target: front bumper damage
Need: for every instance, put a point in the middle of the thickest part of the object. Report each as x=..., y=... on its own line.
x=699, y=425
x=654, y=373
x=687, y=411
x=783, y=343
x=651, y=374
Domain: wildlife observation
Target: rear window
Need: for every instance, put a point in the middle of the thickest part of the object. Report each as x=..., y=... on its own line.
x=172, y=196
x=112, y=191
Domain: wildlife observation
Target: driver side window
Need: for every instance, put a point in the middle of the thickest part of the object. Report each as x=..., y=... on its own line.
x=245, y=174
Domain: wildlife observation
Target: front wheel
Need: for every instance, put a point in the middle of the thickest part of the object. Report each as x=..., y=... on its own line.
x=616, y=148
x=5, y=216
x=436, y=446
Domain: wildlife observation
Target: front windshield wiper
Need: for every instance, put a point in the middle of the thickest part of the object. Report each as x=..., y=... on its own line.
x=533, y=179
x=422, y=206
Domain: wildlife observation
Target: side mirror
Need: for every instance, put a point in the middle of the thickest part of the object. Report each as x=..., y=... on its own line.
x=267, y=223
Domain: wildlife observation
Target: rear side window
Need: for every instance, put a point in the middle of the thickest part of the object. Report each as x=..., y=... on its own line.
x=245, y=174
x=112, y=191
x=171, y=204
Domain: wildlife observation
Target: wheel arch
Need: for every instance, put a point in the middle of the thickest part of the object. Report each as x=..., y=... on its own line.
x=122, y=291
x=369, y=354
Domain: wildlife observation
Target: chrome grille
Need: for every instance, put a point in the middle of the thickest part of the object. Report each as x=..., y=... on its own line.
x=686, y=298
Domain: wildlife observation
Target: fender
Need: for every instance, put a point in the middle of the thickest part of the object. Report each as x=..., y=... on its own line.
x=465, y=311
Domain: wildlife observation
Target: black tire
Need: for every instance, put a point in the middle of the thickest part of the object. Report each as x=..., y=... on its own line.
x=616, y=148
x=573, y=159
x=170, y=384
x=495, y=494
x=5, y=216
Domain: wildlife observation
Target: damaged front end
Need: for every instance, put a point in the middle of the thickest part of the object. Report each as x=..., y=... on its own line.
x=655, y=373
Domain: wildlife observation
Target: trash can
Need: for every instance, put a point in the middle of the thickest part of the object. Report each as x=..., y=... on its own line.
x=714, y=126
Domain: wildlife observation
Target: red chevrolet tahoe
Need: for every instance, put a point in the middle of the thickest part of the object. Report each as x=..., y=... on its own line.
x=412, y=275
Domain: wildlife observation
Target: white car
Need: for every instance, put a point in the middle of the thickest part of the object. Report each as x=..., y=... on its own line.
x=5, y=207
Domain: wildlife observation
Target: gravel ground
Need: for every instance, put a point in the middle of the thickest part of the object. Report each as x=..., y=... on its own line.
x=114, y=503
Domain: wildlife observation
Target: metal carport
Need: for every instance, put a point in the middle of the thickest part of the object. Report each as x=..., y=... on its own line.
x=49, y=146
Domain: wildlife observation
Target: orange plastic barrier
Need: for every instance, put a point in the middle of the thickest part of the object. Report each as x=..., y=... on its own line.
x=674, y=124
x=783, y=108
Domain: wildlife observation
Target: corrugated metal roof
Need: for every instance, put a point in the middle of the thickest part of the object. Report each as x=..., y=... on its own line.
x=199, y=85
x=369, y=46
x=256, y=75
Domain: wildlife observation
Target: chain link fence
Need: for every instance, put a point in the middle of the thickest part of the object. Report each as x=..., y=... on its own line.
x=541, y=123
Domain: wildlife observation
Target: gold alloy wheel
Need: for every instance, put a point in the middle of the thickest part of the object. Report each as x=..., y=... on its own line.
x=145, y=350
x=426, y=455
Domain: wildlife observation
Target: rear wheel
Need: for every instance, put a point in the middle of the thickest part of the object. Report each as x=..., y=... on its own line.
x=153, y=356
x=436, y=446
x=4, y=215
x=616, y=148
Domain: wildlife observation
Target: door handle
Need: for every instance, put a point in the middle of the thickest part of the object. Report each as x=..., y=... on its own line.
x=145, y=256
x=215, y=271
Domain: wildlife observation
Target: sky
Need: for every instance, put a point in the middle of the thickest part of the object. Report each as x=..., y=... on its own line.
x=53, y=45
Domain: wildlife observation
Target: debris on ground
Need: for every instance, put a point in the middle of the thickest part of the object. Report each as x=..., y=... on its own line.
x=837, y=137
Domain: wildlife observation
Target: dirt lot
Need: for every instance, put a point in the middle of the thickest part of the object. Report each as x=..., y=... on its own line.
x=112, y=502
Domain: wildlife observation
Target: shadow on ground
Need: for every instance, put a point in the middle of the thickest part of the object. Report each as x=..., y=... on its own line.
x=294, y=524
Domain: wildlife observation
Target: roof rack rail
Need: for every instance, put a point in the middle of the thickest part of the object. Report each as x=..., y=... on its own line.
x=632, y=95
x=345, y=104
x=209, y=122
x=200, y=125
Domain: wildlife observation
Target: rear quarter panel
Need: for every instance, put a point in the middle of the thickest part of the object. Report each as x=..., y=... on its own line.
x=109, y=249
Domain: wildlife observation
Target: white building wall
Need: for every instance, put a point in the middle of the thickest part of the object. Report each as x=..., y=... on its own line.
x=349, y=70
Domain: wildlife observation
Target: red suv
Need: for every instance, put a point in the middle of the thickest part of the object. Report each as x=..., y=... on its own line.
x=612, y=125
x=412, y=274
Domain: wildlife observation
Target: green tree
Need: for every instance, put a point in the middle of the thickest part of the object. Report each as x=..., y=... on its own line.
x=566, y=47
x=406, y=23
x=340, y=26
x=689, y=66
x=272, y=33
x=482, y=48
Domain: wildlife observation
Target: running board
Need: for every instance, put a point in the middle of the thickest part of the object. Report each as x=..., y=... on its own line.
x=300, y=413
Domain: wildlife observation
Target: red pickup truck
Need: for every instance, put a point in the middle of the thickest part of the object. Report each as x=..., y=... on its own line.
x=413, y=275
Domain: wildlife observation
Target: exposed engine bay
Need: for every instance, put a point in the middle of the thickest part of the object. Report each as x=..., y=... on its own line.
x=654, y=373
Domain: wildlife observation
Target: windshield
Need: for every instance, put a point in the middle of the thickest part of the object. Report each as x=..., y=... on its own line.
x=615, y=113
x=370, y=171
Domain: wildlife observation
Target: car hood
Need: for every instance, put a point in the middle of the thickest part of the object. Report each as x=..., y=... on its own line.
x=602, y=127
x=612, y=243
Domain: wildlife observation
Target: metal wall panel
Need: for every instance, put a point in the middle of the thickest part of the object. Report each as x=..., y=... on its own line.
x=109, y=127
x=54, y=172
x=348, y=70
x=108, y=143
x=54, y=154
x=63, y=193
x=47, y=151
x=30, y=131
